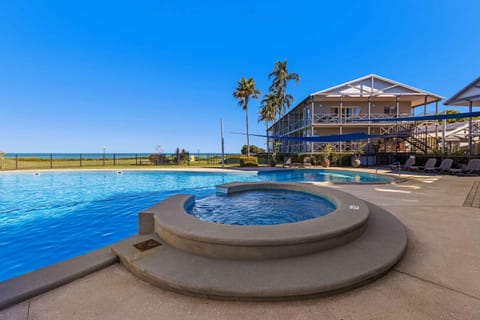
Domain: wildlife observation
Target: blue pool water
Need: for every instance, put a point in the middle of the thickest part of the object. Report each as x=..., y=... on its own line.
x=260, y=207
x=54, y=216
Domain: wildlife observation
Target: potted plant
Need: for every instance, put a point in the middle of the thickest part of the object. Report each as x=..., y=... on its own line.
x=325, y=156
x=356, y=160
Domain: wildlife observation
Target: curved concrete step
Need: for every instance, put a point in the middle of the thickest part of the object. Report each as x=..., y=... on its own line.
x=186, y=232
x=326, y=272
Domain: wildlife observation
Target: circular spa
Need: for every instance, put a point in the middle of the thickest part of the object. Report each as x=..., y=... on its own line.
x=263, y=256
x=261, y=207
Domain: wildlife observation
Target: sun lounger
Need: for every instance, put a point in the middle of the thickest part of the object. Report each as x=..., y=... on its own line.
x=472, y=168
x=287, y=162
x=444, y=167
x=398, y=166
x=429, y=165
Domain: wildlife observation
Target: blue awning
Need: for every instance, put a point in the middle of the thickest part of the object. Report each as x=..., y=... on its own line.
x=332, y=138
x=425, y=118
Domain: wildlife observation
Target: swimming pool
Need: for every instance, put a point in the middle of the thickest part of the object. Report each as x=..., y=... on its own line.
x=55, y=216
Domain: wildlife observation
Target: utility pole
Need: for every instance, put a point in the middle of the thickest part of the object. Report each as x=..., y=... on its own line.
x=223, y=142
x=104, y=148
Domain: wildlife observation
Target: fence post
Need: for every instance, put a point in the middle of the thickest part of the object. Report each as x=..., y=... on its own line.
x=51, y=161
x=136, y=158
x=16, y=160
x=80, y=160
x=114, y=159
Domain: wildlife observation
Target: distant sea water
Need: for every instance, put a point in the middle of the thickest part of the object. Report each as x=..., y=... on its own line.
x=90, y=155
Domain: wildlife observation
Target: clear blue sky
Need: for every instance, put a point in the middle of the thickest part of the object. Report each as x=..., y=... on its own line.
x=79, y=75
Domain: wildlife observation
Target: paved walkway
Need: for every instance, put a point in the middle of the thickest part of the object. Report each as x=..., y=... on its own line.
x=439, y=278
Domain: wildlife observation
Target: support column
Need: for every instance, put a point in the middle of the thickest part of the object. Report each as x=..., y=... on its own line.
x=444, y=131
x=340, y=110
x=470, y=105
x=287, y=131
x=312, y=108
x=436, y=127
x=397, y=112
x=425, y=106
x=369, y=114
x=340, y=122
x=397, y=106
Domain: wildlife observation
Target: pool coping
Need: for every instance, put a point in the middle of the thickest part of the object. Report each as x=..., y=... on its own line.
x=26, y=286
x=395, y=178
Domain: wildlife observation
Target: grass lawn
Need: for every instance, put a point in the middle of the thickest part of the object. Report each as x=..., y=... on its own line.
x=123, y=163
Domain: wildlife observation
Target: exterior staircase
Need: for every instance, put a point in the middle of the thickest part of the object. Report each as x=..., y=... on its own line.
x=412, y=133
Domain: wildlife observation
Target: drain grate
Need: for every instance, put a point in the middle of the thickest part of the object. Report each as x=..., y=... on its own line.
x=147, y=245
x=473, y=197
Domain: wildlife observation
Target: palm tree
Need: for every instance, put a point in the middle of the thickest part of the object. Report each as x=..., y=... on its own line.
x=267, y=113
x=268, y=108
x=279, y=85
x=246, y=89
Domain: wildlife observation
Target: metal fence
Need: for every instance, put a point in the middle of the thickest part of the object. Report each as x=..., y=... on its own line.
x=142, y=160
x=133, y=160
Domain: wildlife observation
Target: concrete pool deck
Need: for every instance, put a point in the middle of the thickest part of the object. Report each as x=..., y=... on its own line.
x=439, y=277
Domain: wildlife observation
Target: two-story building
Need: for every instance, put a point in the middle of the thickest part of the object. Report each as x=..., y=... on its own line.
x=344, y=109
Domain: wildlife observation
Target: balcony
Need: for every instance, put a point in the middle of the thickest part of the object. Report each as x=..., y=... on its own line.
x=360, y=118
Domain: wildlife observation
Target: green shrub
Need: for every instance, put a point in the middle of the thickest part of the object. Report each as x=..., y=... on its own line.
x=248, y=162
x=253, y=149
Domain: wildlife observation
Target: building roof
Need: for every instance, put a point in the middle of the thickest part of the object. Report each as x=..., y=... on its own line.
x=456, y=131
x=470, y=93
x=373, y=85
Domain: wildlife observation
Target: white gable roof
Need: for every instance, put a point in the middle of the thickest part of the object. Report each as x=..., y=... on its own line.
x=470, y=93
x=375, y=86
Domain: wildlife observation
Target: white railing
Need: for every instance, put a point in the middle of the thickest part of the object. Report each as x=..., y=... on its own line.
x=302, y=147
x=333, y=118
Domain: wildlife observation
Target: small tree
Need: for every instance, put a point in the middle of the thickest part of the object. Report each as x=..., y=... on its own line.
x=253, y=149
x=177, y=155
x=456, y=120
x=158, y=148
x=325, y=155
x=184, y=156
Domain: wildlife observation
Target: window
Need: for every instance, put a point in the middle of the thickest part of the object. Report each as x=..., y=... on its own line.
x=351, y=111
x=390, y=110
x=346, y=111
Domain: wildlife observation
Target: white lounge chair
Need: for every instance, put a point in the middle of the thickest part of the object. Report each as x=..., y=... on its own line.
x=287, y=162
x=398, y=166
x=444, y=167
x=472, y=168
x=429, y=165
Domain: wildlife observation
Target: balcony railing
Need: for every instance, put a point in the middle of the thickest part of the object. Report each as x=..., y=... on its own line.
x=333, y=118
